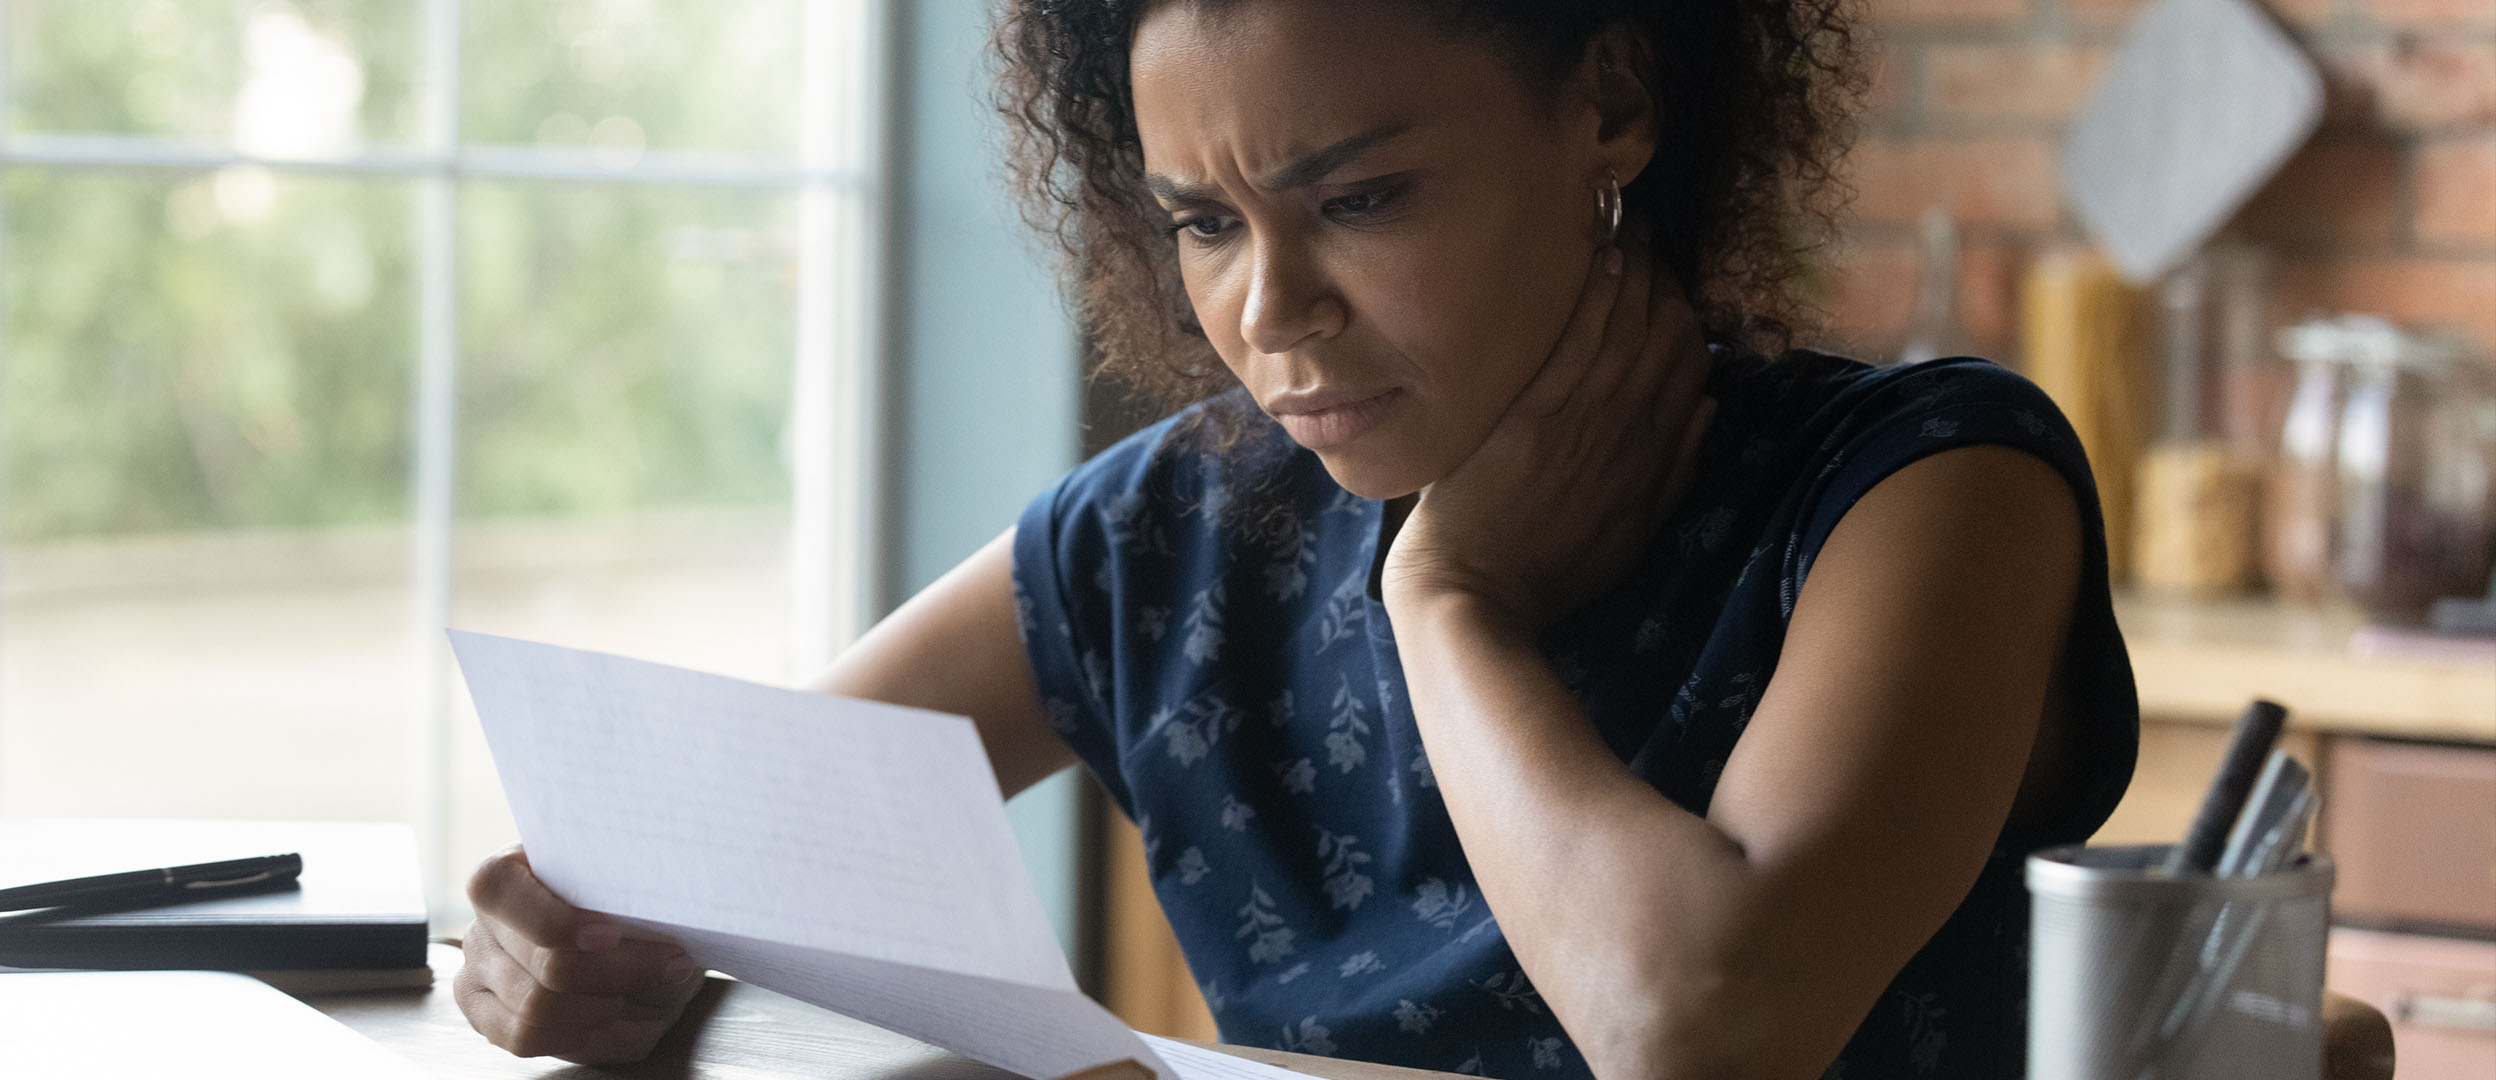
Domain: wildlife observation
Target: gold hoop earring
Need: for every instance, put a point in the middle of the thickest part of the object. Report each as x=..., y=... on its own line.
x=1608, y=207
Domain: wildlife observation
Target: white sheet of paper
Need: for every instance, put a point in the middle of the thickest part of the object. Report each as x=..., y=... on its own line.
x=849, y=854
x=199, y=1025
x=1197, y=1063
x=1035, y=1031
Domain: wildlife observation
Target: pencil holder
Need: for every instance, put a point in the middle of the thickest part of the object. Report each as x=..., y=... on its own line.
x=2134, y=975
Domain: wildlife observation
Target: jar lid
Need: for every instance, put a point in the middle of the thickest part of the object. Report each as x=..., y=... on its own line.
x=2371, y=342
x=2317, y=340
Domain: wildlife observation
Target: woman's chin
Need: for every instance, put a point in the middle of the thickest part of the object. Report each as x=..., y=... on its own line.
x=1368, y=477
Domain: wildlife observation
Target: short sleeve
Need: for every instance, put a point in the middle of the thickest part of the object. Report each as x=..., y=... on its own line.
x=1057, y=543
x=1945, y=405
x=1121, y=572
x=1914, y=413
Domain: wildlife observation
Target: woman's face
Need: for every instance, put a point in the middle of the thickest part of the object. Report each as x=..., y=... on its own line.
x=1381, y=226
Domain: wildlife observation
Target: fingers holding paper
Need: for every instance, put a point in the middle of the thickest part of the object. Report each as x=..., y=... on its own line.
x=561, y=946
x=527, y=1019
x=541, y=977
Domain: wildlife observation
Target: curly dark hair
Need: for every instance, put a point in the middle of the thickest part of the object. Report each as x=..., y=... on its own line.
x=1756, y=103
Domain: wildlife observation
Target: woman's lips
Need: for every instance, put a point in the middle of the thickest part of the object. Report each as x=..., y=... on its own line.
x=1326, y=425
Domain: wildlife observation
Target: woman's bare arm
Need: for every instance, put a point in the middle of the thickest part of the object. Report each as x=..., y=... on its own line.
x=955, y=648
x=1855, y=813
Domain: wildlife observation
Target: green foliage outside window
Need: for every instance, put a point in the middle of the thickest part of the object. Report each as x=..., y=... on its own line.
x=184, y=350
x=167, y=370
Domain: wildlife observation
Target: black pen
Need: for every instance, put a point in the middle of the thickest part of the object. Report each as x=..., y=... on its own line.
x=2247, y=748
x=164, y=885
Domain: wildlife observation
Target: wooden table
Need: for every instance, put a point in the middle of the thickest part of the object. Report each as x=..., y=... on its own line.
x=732, y=1031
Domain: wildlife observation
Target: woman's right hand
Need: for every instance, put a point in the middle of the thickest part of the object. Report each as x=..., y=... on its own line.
x=540, y=977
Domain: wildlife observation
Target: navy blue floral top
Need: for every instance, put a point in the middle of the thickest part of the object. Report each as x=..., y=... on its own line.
x=1207, y=638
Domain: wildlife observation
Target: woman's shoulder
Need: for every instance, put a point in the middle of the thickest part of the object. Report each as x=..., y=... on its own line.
x=1823, y=414
x=1809, y=385
x=1804, y=436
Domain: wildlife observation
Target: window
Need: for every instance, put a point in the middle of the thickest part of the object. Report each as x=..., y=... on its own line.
x=327, y=323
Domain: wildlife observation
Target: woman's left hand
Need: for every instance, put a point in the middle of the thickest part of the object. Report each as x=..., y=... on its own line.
x=1576, y=477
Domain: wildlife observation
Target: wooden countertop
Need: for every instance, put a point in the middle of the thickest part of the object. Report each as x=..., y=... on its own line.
x=2201, y=660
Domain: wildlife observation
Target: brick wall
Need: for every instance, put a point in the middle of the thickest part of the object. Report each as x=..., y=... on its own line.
x=2390, y=209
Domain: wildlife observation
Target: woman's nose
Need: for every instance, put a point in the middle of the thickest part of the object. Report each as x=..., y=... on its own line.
x=1290, y=300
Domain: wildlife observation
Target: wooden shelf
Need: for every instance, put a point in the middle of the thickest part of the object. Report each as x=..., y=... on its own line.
x=2199, y=661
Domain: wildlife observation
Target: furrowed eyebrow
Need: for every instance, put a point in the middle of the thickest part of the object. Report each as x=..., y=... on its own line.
x=1309, y=169
x=1171, y=191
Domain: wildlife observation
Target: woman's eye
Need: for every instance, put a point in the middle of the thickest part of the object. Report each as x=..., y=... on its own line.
x=1202, y=228
x=1362, y=204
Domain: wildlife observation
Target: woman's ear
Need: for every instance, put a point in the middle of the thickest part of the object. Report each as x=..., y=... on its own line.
x=1618, y=78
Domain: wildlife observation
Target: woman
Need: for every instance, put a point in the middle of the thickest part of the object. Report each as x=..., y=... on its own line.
x=1511, y=668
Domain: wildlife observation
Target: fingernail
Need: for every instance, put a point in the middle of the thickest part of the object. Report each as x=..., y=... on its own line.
x=598, y=937
x=1612, y=260
x=678, y=970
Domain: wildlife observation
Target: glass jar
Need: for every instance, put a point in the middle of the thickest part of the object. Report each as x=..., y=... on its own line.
x=2301, y=494
x=2414, y=519
x=2462, y=477
x=2197, y=527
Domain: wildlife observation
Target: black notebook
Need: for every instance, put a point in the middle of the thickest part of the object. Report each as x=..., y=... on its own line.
x=359, y=904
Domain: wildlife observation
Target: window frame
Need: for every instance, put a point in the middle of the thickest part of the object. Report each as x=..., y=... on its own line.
x=840, y=180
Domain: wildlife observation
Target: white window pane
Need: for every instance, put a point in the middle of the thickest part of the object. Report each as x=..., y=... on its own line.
x=205, y=466
x=621, y=76
x=624, y=347
x=625, y=389
x=206, y=446
x=282, y=78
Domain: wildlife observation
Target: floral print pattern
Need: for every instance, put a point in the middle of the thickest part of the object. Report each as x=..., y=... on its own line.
x=1206, y=641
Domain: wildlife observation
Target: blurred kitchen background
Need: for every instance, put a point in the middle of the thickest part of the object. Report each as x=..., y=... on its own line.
x=702, y=331
x=2294, y=424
